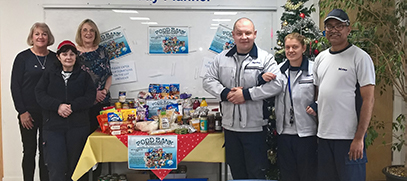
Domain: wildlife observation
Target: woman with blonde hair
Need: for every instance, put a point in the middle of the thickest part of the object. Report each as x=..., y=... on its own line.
x=95, y=60
x=28, y=68
x=296, y=113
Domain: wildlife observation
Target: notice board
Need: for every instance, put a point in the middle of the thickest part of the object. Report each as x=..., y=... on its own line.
x=166, y=68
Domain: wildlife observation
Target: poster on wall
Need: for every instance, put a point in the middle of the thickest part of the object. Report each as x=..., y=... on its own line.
x=168, y=40
x=148, y=152
x=123, y=72
x=222, y=40
x=115, y=43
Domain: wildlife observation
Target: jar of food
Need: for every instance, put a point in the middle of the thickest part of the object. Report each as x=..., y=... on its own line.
x=131, y=104
x=125, y=105
x=211, y=123
x=122, y=96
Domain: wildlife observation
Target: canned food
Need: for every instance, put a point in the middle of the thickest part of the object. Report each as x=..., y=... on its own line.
x=118, y=105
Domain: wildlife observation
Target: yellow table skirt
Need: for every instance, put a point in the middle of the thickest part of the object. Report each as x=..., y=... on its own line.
x=101, y=147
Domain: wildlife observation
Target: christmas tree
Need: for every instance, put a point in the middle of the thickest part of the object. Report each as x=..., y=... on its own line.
x=296, y=18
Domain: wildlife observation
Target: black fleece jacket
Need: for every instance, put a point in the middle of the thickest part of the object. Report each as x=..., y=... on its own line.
x=79, y=92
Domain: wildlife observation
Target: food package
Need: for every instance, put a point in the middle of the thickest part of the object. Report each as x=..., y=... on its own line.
x=147, y=126
x=127, y=112
x=194, y=122
x=161, y=131
x=103, y=122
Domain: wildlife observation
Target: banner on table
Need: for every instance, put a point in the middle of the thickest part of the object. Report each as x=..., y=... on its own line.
x=115, y=43
x=222, y=40
x=152, y=152
x=168, y=40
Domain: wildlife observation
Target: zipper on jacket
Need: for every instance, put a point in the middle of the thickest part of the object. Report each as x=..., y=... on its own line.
x=238, y=73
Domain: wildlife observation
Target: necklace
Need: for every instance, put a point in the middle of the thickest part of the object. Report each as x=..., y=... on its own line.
x=45, y=61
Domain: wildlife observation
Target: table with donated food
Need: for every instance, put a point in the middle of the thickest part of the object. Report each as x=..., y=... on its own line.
x=199, y=134
x=194, y=147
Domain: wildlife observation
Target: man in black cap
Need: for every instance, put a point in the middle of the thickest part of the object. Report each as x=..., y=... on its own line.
x=344, y=75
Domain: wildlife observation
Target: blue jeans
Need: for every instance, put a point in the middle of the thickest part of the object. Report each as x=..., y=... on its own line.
x=334, y=163
x=62, y=151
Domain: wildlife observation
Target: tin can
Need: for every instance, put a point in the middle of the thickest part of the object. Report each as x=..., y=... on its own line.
x=122, y=96
x=118, y=105
x=203, y=125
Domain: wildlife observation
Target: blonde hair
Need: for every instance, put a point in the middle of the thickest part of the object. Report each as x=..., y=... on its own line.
x=44, y=27
x=297, y=36
x=78, y=38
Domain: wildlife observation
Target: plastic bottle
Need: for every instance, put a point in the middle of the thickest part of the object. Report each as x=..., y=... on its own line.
x=203, y=103
x=196, y=103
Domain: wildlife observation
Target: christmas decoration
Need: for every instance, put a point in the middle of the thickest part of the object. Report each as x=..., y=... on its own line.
x=296, y=18
x=316, y=52
x=289, y=5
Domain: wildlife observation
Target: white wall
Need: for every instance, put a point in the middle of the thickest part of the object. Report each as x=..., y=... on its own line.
x=16, y=18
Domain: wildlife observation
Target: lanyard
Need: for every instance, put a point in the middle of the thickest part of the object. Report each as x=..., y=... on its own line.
x=291, y=97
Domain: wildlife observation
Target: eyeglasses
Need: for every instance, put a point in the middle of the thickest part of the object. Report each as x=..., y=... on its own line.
x=337, y=27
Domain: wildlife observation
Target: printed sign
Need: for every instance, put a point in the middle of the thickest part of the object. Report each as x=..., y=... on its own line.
x=115, y=43
x=152, y=152
x=222, y=40
x=123, y=72
x=168, y=40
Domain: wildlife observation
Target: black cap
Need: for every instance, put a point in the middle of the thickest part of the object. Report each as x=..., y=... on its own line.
x=338, y=14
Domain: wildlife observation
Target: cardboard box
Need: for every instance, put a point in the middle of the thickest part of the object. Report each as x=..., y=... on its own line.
x=176, y=175
x=137, y=176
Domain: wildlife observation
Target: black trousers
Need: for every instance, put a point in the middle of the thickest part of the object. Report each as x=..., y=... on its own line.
x=30, y=143
x=297, y=157
x=246, y=154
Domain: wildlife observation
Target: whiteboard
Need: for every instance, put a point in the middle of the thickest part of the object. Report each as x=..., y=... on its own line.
x=160, y=68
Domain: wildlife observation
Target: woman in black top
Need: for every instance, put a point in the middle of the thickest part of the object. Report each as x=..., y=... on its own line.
x=27, y=70
x=65, y=93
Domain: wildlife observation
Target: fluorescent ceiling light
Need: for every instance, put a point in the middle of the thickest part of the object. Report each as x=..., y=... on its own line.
x=213, y=28
x=140, y=18
x=214, y=24
x=149, y=23
x=221, y=20
x=124, y=11
x=224, y=13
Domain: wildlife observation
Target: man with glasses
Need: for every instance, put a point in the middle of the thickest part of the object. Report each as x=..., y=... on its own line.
x=344, y=75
